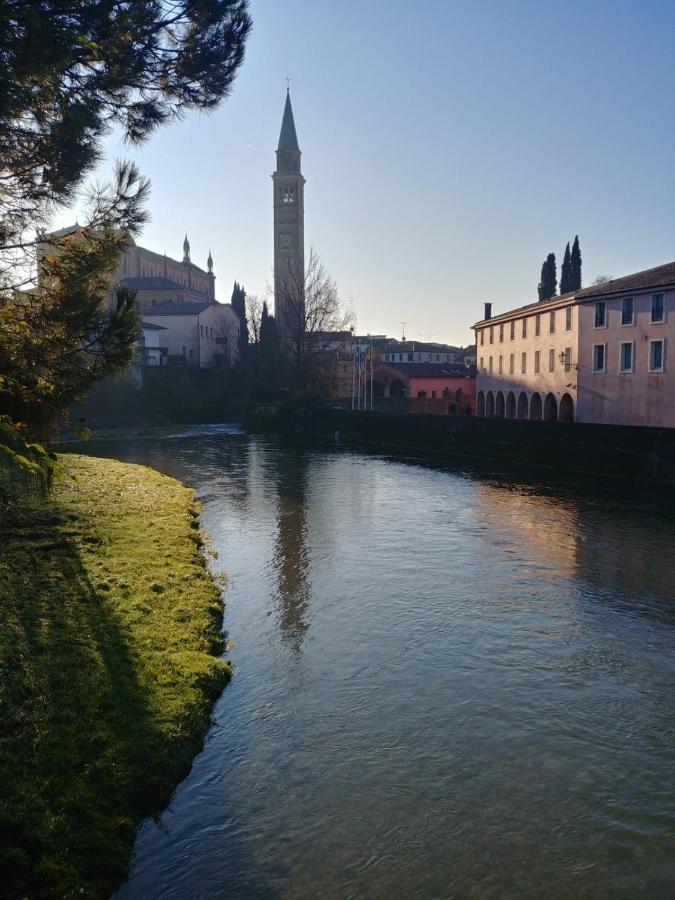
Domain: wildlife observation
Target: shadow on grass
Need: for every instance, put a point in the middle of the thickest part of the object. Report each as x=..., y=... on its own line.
x=81, y=756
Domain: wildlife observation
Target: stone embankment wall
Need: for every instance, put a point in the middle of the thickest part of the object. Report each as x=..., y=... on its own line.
x=638, y=453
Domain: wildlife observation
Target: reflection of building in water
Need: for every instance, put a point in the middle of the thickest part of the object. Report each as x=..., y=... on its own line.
x=550, y=525
x=291, y=555
x=622, y=557
x=629, y=556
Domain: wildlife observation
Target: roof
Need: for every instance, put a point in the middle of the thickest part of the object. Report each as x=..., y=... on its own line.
x=180, y=309
x=153, y=284
x=288, y=139
x=151, y=326
x=418, y=347
x=428, y=370
x=658, y=277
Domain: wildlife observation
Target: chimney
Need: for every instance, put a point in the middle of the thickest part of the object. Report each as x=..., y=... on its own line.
x=488, y=310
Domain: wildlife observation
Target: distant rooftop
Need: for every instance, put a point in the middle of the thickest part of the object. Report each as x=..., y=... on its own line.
x=437, y=370
x=419, y=347
x=157, y=283
x=180, y=309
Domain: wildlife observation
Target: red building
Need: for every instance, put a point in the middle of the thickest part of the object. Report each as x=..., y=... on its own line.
x=428, y=387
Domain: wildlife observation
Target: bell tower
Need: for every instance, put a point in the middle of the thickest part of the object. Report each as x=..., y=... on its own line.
x=289, y=229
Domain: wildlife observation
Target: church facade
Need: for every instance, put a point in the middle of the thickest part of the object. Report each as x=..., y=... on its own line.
x=289, y=230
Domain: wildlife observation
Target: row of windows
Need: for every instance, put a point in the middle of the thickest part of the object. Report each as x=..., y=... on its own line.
x=204, y=331
x=511, y=326
x=565, y=360
x=424, y=357
x=422, y=395
x=657, y=311
x=657, y=356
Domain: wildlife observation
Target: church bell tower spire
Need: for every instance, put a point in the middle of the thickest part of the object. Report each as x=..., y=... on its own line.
x=289, y=226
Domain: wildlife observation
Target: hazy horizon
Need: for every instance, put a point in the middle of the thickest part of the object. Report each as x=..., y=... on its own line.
x=447, y=149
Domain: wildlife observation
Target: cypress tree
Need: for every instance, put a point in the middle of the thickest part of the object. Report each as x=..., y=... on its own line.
x=268, y=332
x=566, y=272
x=549, y=278
x=575, y=284
x=239, y=306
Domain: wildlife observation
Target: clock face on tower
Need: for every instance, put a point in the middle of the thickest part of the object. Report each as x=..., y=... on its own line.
x=286, y=241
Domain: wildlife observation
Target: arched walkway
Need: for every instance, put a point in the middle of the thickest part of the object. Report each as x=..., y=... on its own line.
x=522, y=405
x=550, y=408
x=535, y=407
x=566, y=413
x=499, y=405
x=490, y=404
x=510, y=405
x=480, y=404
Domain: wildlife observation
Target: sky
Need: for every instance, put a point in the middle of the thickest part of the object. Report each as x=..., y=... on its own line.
x=447, y=146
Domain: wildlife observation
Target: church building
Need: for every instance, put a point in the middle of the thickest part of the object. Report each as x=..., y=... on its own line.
x=181, y=321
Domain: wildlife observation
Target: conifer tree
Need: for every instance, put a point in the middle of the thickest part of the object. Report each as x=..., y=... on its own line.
x=549, y=278
x=269, y=342
x=566, y=272
x=70, y=72
x=239, y=306
x=575, y=284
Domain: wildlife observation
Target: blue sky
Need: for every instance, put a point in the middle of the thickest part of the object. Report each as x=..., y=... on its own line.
x=447, y=146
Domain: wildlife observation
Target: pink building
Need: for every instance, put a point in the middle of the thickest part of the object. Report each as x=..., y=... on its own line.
x=596, y=355
x=452, y=388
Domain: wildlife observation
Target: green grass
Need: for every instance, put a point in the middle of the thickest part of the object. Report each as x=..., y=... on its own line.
x=110, y=626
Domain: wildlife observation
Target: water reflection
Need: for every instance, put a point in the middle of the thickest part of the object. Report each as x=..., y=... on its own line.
x=291, y=559
x=485, y=704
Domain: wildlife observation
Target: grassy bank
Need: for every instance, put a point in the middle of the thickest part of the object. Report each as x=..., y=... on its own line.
x=110, y=622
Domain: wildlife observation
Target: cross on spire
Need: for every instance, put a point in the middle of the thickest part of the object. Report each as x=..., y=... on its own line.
x=288, y=84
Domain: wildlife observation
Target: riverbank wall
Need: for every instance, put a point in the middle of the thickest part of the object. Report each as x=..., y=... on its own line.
x=646, y=454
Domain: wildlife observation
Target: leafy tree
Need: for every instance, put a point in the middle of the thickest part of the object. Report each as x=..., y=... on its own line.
x=575, y=278
x=315, y=321
x=69, y=72
x=549, y=279
x=566, y=272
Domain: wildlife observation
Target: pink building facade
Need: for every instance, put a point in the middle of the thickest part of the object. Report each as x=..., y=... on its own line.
x=596, y=355
x=428, y=387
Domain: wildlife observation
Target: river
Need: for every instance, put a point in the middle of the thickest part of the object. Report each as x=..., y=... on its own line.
x=448, y=683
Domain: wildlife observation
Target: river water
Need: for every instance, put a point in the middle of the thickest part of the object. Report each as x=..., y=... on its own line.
x=448, y=683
